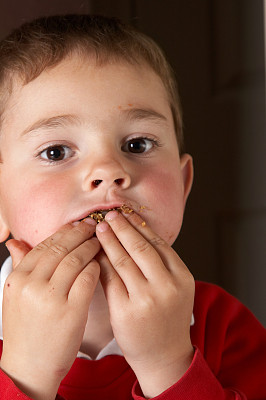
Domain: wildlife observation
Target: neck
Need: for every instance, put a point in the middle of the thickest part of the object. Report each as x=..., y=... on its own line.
x=98, y=331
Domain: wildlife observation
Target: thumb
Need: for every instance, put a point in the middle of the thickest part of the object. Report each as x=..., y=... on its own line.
x=17, y=250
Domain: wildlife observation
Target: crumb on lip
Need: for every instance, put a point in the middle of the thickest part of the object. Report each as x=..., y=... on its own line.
x=99, y=216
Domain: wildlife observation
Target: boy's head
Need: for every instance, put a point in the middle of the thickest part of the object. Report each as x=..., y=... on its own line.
x=45, y=42
x=88, y=126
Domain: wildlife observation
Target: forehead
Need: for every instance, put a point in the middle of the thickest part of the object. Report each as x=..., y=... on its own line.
x=81, y=87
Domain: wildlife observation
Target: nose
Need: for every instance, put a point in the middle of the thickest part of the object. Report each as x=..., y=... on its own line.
x=108, y=175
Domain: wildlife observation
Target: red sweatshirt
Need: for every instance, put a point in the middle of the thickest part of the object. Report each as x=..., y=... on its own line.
x=229, y=361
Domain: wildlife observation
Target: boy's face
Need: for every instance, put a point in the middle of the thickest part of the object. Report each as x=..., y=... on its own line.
x=80, y=138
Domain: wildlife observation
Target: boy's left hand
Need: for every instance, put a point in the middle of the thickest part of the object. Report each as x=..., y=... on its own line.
x=150, y=293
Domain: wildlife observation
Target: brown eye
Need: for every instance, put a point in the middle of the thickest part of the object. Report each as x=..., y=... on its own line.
x=56, y=153
x=138, y=145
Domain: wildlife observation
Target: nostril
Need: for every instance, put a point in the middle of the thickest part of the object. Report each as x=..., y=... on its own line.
x=96, y=182
x=118, y=181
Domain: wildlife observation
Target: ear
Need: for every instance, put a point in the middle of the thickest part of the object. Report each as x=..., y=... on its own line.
x=4, y=231
x=186, y=164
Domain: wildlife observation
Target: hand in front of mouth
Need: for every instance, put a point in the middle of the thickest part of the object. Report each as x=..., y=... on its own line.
x=150, y=293
x=48, y=295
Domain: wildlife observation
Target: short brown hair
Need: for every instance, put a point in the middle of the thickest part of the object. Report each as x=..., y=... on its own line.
x=45, y=42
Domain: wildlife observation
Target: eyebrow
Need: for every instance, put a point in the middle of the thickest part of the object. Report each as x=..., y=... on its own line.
x=59, y=121
x=136, y=114
x=52, y=122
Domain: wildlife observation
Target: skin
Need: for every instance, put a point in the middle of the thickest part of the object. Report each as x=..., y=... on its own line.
x=57, y=260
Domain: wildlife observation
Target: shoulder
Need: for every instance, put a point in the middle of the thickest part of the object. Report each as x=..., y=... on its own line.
x=215, y=308
x=210, y=298
x=222, y=317
x=224, y=327
x=231, y=339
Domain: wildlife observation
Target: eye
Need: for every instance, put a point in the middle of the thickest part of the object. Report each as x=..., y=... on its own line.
x=138, y=145
x=56, y=153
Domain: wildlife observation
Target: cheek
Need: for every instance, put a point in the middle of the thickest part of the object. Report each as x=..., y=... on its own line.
x=35, y=212
x=164, y=193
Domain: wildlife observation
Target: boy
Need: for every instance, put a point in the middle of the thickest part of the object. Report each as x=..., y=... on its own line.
x=90, y=123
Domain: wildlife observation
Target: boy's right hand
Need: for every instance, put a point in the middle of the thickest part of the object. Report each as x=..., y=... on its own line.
x=45, y=307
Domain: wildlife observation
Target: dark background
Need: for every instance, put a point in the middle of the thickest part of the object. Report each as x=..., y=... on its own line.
x=217, y=50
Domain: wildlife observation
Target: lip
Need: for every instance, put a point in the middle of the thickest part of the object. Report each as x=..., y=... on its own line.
x=102, y=207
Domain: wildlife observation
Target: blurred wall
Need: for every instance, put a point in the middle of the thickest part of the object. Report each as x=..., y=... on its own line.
x=217, y=51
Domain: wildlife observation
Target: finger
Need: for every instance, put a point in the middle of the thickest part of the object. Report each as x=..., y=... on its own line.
x=121, y=261
x=72, y=265
x=17, y=250
x=145, y=230
x=111, y=281
x=169, y=257
x=47, y=255
x=80, y=296
x=138, y=247
x=84, y=286
x=30, y=259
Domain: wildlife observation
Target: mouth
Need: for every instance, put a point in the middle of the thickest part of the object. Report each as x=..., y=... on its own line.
x=99, y=215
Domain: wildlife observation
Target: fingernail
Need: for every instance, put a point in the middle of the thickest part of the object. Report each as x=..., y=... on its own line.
x=75, y=223
x=102, y=227
x=90, y=221
x=111, y=215
x=127, y=214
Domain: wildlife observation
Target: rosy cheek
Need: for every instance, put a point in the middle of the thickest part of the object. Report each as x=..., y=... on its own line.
x=36, y=214
x=164, y=193
x=165, y=187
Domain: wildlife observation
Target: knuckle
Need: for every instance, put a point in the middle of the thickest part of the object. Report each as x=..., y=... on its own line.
x=172, y=292
x=178, y=290
x=122, y=262
x=141, y=246
x=157, y=241
x=42, y=246
x=73, y=260
x=88, y=279
x=27, y=290
x=30, y=291
x=58, y=249
x=122, y=225
x=91, y=275
x=147, y=305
